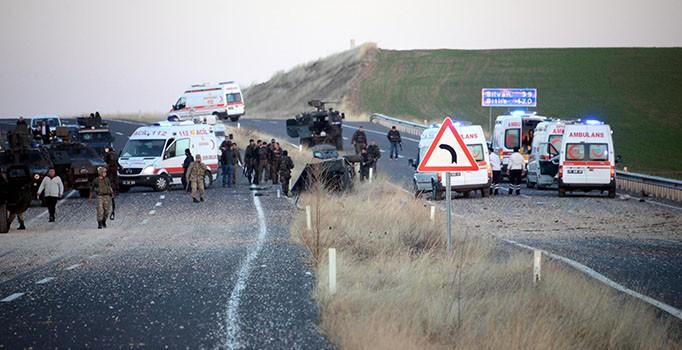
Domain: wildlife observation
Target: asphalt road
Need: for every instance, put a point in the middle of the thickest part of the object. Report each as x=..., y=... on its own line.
x=167, y=273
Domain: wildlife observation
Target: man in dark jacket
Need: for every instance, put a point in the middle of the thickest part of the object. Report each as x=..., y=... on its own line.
x=262, y=167
x=185, y=165
x=374, y=152
x=227, y=159
x=285, y=166
x=275, y=158
x=250, y=159
x=359, y=140
x=236, y=163
x=225, y=146
x=395, y=140
x=365, y=164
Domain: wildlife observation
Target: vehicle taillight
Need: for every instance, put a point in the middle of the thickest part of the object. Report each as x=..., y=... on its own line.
x=490, y=172
x=613, y=172
x=561, y=170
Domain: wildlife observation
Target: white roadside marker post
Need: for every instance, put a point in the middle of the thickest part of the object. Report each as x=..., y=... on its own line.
x=308, y=218
x=300, y=148
x=278, y=194
x=332, y=270
x=370, y=174
x=537, y=261
x=433, y=213
x=238, y=125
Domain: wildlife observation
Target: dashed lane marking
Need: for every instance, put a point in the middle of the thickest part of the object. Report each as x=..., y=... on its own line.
x=232, y=317
x=72, y=267
x=45, y=280
x=162, y=196
x=345, y=138
x=152, y=212
x=158, y=204
x=145, y=221
x=119, y=133
x=12, y=297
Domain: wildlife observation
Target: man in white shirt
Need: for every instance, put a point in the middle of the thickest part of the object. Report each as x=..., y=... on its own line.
x=54, y=189
x=515, y=171
x=496, y=165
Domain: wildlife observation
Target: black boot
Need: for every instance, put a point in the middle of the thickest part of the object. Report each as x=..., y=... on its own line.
x=510, y=192
x=51, y=219
x=99, y=225
x=104, y=223
x=195, y=200
x=518, y=192
x=21, y=225
x=201, y=199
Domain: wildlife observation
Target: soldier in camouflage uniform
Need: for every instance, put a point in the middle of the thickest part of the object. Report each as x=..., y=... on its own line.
x=101, y=187
x=195, y=177
x=285, y=166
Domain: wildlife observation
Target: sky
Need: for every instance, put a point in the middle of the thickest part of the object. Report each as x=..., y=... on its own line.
x=76, y=56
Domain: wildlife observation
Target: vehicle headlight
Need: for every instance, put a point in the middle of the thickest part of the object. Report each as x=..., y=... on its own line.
x=36, y=176
x=148, y=170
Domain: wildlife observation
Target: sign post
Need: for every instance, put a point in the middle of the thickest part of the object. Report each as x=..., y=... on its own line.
x=448, y=153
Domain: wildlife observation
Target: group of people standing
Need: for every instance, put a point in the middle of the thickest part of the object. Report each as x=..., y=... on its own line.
x=370, y=153
x=515, y=169
x=267, y=162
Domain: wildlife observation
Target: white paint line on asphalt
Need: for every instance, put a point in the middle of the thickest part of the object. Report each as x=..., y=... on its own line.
x=158, y=204
x=382, y=151
x=232, y=317
x=650, y=201
x=72, y=267
x=119, y=133
x=57, y=206
x=381, y=133
x=273, y=122
x=345, y=138
x=601, y=278
x=152, y=212
x=45, y=280
x=401, y=156
x=145, y=221
x=162, y=196
x=293, y=145
x=12, y=297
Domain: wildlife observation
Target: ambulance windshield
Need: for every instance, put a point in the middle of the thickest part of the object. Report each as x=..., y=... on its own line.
x=476, y=151
x=234, y=97
x=143, y=148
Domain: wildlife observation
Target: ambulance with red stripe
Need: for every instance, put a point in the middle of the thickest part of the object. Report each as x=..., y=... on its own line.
x=154, y=154
x=546, y=146
x=587, y=160
x=514, y=130
x=223, y=100
x=463, y=182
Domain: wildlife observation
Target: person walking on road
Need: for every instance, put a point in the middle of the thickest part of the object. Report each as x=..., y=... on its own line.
x=374, y=152
x=237, y=163
x=515, y=171
x=250, y=159
x=185, y=166
x=225, y=146
x=227, y=159
x=195, y=177
x=53, y=188
x=262, y=168
x=275, y=158
x=359, y=140
x=285, y=166
x=365, y=164
x=496, y=166
x=101, y=187
x=395, y=140
x=112, y=168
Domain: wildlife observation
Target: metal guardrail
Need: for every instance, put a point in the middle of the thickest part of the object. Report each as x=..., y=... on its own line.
x=653, y=186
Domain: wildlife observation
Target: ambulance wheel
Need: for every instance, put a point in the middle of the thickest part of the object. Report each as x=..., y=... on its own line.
x=161, y=183
x=612, y=193
x=466, y=194
x=208, y=179
x=562, y=192
x=485, y=192
x=4, y=225
x=417, y=191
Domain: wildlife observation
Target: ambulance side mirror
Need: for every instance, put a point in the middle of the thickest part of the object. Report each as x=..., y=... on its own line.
x=619, y=159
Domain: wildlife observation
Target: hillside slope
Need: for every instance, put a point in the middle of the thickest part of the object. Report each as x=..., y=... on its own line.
x=638, y=91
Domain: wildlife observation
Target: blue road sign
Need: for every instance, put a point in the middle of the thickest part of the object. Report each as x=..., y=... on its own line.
x=509, y=97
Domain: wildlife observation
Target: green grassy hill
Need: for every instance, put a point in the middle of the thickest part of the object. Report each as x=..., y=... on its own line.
x=637, y=91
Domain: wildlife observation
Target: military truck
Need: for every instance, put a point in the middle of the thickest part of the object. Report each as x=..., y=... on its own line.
x=321, y=126
x=20, y=151
x=16, y=177
x=76, y=163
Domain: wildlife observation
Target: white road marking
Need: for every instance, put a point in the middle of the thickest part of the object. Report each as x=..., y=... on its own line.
x=381, y=133
x=232, y=317
x=601, y=278
x=119, y=133
x=12, y=297
x=152, y=212
x=345, y=138
x=382, y=151
x=652, y=202
x=45, y=280
x=145, y=221
x=72, y=267
x=273, y=122
x=57, y=206
x=294, y=145
x=162, y=196
x=158, y=204
x=401, y=156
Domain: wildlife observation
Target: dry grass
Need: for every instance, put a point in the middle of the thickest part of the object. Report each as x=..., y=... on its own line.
x=397, y=289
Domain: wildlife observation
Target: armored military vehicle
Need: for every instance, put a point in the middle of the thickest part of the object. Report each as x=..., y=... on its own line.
x=328, y=169
x=321, y=126
x=21, y=151
x=76, y=163
x=16, y=178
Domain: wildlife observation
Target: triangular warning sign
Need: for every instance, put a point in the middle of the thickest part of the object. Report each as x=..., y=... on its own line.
x=447, y=152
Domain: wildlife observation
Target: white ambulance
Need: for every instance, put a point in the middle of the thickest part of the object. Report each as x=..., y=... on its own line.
x=153, y=155
x=514, y=130
x=587, y=160
x=460, y=181
x=224, y=100
x=543, y=162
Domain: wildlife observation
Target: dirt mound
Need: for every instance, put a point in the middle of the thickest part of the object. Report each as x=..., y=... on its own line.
x=331, y=78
